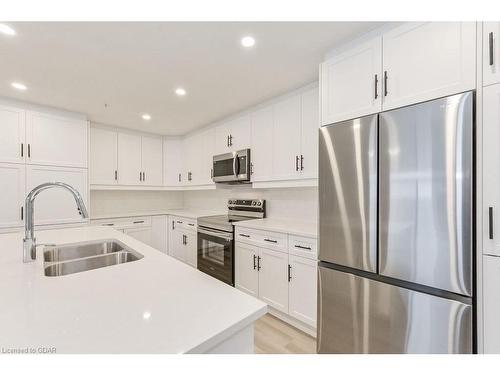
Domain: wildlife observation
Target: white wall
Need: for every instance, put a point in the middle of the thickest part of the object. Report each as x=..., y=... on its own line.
x=123, y=202
x=292, y=203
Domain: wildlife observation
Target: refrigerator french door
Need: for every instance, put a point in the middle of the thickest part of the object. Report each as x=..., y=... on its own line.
x=396, y=231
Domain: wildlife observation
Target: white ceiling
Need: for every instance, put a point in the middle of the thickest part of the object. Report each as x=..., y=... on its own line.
x=135, y=67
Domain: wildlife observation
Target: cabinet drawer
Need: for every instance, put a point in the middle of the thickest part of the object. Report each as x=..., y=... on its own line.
x=125, y=222
x=184, y=223
x=271, y=240
x=303, y=246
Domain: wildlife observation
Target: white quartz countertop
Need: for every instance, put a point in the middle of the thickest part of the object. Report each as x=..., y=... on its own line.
x=182, y=212
x=153, y=305
x=296, y=227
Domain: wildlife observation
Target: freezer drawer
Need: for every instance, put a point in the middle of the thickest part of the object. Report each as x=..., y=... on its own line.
x=426, y=193
x=348, y=193
x=360, y=315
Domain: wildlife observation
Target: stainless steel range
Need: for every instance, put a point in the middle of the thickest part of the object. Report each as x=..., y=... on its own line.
x=216, y=237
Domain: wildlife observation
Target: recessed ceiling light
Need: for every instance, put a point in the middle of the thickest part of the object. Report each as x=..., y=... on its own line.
x=180, y=91
x=7, y=30
x=247, y=41
x=146, y=116
x=19, y=86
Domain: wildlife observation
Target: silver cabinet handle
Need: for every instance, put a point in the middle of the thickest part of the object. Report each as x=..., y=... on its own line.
x=138, y=222
x=301, y=162
x=29, y=150
x=22, y=150
x=297, y=163
x=179, y=177
x=22, y=213
x=376, y=86
x=140, y=176
x=116, y=175
x=230, y=140
x=490, y=37
x=289, y=273
x=254, y=258
x=244, y=235
x=258, y=263
x=143, y=176
x=268, y=240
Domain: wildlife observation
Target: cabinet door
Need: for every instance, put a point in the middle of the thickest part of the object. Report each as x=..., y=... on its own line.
x=152, y=161
x=310, y=134
x=208, y=149
x=103, y=156
x=12, y=135
x=245, y=270
x=491, y=170
x=351, y=83
x=286, y=138
x=141, y=234
x=428, y=60
x=273, y=279
x=303, y=289
x=491, y=53
x=159, y=235
x=179, y=249
x=56, y=140
x=191, y=248
x=262, y=144
x=239, y=136
x=129, y=159
x=56, y=205
x=171, y=236
x=173, y=162
x=12, y=183
x=491, y=280
x=194, y=159
x=222, y=132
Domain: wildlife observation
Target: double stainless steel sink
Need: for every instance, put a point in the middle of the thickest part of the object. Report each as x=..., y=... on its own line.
x=85, y=256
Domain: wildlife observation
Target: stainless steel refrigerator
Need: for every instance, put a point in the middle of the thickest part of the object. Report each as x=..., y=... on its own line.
x=396, y=231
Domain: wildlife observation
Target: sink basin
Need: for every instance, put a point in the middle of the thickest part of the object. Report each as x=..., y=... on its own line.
x=86, y=256
x=81, y=250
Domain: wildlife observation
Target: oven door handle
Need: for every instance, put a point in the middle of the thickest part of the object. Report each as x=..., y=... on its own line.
x=224, y=235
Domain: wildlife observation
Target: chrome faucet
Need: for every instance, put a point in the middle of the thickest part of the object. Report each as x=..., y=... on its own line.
x=29, y=242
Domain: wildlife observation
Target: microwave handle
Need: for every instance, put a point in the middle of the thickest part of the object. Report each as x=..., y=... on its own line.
x=236, y=166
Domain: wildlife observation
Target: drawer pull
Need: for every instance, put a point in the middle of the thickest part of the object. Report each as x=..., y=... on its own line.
x=268, y=240
x=179, y=222
x=109, y=224
x=138, y=222
x=191, y=224
x=244, y=235
x=302, y=247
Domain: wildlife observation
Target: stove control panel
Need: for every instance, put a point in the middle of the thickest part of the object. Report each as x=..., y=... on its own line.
x=248, y=205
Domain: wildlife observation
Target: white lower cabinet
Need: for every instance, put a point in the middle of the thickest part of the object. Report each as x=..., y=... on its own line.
x=491, y=304
x=183, y=240
x=12, y=183
x=245, y=268
x=273, y=278
x=286, y=282
x=302, y=294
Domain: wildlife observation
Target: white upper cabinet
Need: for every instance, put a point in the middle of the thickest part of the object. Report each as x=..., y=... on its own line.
x=103, y=156
x=152, y=161
x=286, y=138
x=129, y=159
x=309, y=134
x=351, y=83
x=233, y=135
x=206, y=168
x=491, y=170
x=173, y=162
x=491, y=53
x=57, y=206
x=428, y=60
x=12, y=135
x=262, y=144
x=193, y=151
x=56, y=140
x=12, y=186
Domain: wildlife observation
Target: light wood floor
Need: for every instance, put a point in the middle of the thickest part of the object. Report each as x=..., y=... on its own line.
x=273, y=336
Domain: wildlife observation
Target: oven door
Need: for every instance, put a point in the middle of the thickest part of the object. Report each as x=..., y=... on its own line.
x=216, y=254
x=232, y=167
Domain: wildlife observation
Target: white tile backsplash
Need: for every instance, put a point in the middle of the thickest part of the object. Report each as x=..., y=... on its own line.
x=299, y=203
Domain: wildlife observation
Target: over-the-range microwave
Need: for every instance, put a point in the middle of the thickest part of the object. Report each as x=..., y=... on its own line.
x=232, y=168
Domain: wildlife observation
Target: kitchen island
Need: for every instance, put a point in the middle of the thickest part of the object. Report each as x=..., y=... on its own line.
x=153, y=305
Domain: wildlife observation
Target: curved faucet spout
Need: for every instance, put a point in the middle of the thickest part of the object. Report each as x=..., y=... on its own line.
x=29, y=242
